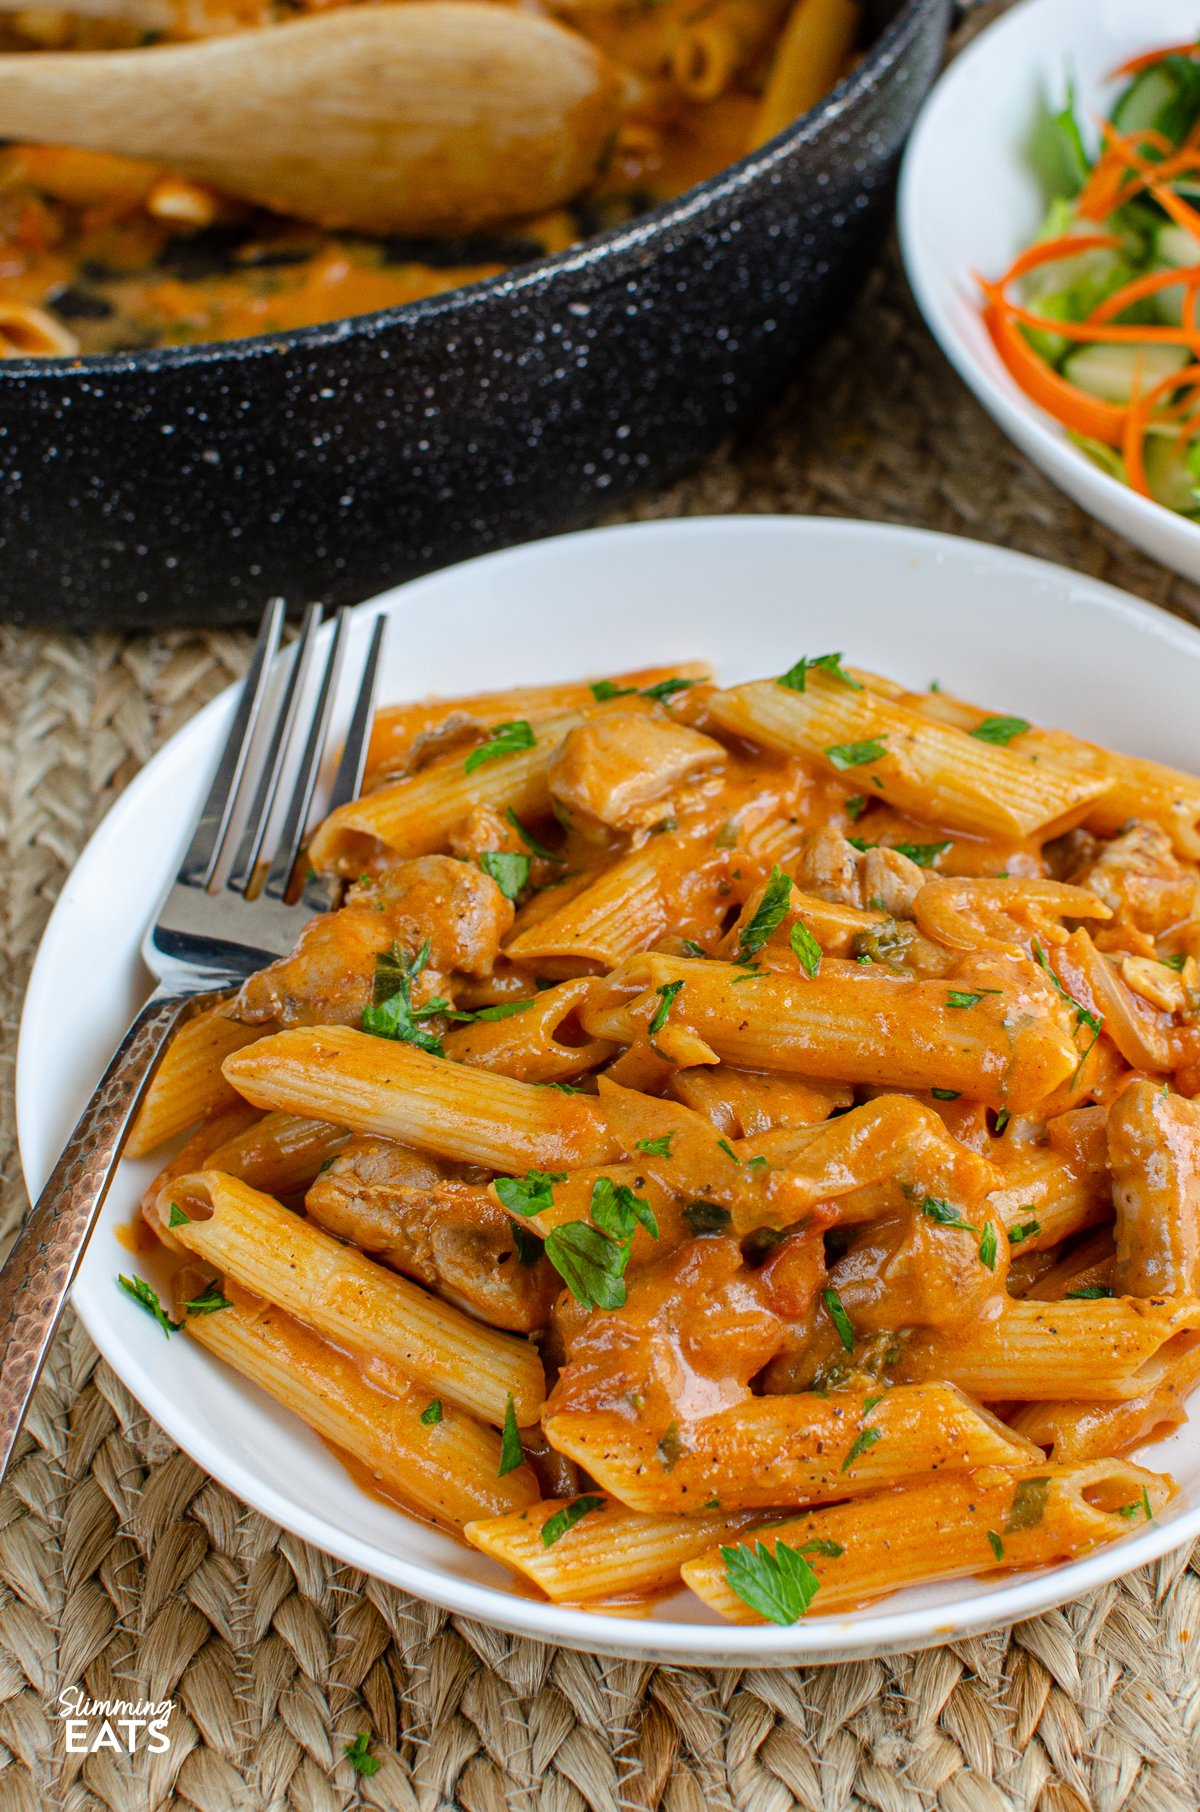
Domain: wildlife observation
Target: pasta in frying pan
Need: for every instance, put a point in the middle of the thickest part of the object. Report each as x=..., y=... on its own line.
x=722, y=1136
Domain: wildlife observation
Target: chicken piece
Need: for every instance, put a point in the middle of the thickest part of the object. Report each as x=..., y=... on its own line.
x=622, y=768
x=1154, y=1154
x=404, y=1210
x=911, y=1271
x=828, y=866
x=1139, y=877
x=329, y=978
x=890, y=881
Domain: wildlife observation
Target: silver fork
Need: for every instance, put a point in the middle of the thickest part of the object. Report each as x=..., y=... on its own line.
x=205, y=939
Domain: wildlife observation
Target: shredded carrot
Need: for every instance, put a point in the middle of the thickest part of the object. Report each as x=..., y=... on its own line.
x=1102, y=333
x=1138, y=418
x=1148, y=59
x=1073, y=407
x=1049, y=251
x=1180, y=211
x=1139, y=288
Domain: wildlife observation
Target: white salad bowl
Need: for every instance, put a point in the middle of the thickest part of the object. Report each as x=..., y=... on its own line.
x=970, y=200
x=751, y=594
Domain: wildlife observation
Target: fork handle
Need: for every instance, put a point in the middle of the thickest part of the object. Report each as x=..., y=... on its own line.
x=40, y=1269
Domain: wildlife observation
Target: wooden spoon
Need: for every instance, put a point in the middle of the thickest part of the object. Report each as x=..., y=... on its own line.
x=442, y=117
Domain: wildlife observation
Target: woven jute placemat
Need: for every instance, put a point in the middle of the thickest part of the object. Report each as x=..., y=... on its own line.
x=126, y=1574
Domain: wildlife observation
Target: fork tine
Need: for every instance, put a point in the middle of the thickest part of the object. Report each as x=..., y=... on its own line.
x=255, y=829
x=296, y=820
x=354, y=753
x=204, y=851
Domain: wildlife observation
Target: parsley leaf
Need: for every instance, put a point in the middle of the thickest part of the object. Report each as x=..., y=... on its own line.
x=432, y=1414
x=391, y=1013
x=531, y=1194
x=1028, y=1505
x=945, y=1094
x=590, y=1264
x=666, y=996
x=503, y=1009
x=508, y=869
x=669, y=1448
x=1092, y=1292
x=512, y=1454
x=862, y=1444
x=502, y=739
x=358, y=1754
x=1175, y=962
x=856, y=754
x=999, y=730
x=667, y=688
x=557, y=1525
x=706, y=1217
x=693, y=948
x=604, y=689
x=767, y=915
x=805, y=949
x=208, y=1302
x=1002, y=1119
x=176, y=1217
x=796, y=678
x=996, y=1545
x=945, y=1215
x=146, y=1298
x=1142, y=1504
x=923, y=854
x=1022, y=1231
x=856, y=805
x=988, y=1246
x=730, y=1153
x=617, y=1211
x=779, y=1586
x=658, y=1148
x=529, y=1246
x=839, y=1318
x=968, y=997
x=529, y=840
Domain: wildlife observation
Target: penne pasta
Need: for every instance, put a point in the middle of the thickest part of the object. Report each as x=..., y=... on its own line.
x=188, y=1084
x=448, y=1471
x=277, y=1153
x=963, y=1523
x=353, y=1302
x=540, y=1041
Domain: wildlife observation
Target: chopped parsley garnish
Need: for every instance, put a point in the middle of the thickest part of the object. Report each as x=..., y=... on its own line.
x=657, y=1148
x=208, y=1302
x=176, y=1217
x=768, y=914
x=995, y=1544
x=1141, y=1504
x=856, y=754
x=968, y=997
x=556, y=1526
x=590, y=1264
x=779, y=1586
x=617, y=1211
x=666, y=996
x=945, y=1214
x=988, y=1246
x=999, y=730
x=730, y=1153
x=503, y=1009
x=529, y=840
x=1002, y=1119
x=531, y=1194
x=1028, y=1505
x=706, y=1217
x=359, y=1756
x=528, y=1245
x=923, y=854
x=1022, y=1231
x=757, y=1162
x=945, y=1094
x=805, y=949
x=1175, y=962
x=667, y=688
x=605, y=689
x=432, y=1414
x=512, y=1454
x=862, y=1444
x=508, y=869
x=391, y=1013
x=839, y=1318
x=796, y=678
x=670, y=1448
x=692, y=947
x=856, y=805
x=1083, y=1015
x=1092, y=1292
x=502, y=739
x=146, y=1298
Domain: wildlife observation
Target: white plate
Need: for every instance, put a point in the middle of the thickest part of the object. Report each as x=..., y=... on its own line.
x=751, y=594
x=969, y=201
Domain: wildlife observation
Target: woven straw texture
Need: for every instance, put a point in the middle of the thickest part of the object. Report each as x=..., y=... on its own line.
x=126, y=1573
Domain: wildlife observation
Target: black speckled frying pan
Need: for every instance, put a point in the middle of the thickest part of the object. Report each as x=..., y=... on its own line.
x=187, y=485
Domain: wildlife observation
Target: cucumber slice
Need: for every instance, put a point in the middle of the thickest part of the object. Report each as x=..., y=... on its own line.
x=1168, y=475
x=1175, y=246
x=1145, y=100
x=1108, y=372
